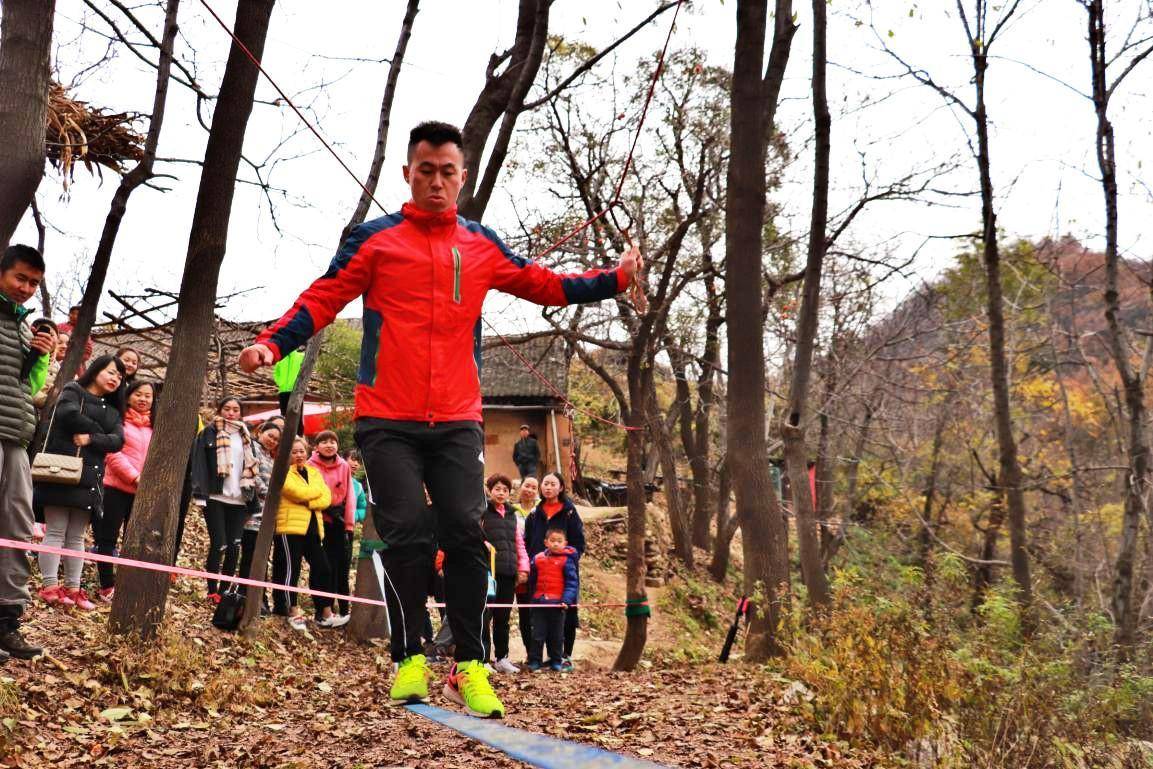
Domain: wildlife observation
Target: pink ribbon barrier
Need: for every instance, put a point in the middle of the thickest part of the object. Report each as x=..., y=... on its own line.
x=196, y=574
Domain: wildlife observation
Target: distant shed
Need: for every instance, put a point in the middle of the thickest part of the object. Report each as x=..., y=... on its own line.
x=513, y=395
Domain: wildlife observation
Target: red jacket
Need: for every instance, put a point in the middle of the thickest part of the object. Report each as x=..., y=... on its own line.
x=555, y=576
x=424, y=277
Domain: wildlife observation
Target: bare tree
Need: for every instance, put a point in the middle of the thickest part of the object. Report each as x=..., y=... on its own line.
x=753, y=111
x=140, y=174
x=25, y=45
x=982, y=26
x=1131, y=53
x=793, y=430
x=140, y=603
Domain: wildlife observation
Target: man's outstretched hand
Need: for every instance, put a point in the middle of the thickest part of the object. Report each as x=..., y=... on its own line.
x=254, y=356
x=631, y=262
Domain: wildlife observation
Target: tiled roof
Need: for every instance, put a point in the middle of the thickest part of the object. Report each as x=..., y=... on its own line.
x=155, y=345
x=505, y=378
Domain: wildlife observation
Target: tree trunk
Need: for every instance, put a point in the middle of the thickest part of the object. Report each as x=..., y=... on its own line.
x=1009, y=473
x=765, y=548
x=25, y=47
x=41, y=233
x=853, y=473
x=280, y=467
x=726, y=526
x=367, y=621
x=502, y=94
x=793, y=432
x=636, y=629
x=678, y=521
x=706, y=401
x=140, y=601
x=1123, y=601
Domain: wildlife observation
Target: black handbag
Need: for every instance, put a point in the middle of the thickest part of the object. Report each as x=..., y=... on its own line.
x=229, y=611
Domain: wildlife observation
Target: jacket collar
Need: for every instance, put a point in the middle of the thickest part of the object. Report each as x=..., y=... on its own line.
x=21, y=312
x=428, y=219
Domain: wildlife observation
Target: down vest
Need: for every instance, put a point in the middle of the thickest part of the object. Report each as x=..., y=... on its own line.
x=17, y=417
x=80, y=412
x=424, y=277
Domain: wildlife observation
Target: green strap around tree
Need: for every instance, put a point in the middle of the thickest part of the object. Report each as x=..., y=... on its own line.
x=370, y=546
x=638, y=607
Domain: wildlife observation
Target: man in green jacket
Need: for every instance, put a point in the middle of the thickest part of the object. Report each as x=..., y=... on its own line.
x=21, y=271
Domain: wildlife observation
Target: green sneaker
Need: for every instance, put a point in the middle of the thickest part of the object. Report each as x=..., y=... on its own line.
x=411, y=681
x=468, y=685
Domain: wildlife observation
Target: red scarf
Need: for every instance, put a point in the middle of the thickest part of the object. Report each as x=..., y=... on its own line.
x=134, y=417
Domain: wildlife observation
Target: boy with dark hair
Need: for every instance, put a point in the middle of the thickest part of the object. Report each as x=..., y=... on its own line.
x=553, y=579
x=21, y=271
x=423, y=273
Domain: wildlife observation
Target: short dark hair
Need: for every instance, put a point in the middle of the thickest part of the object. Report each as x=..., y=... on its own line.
x=269, y=425
x=435, y=133
x=496, y=478
x=40, y=323
x=556, y=530
x=21, y=253
x=74, y=307
x=326, y=435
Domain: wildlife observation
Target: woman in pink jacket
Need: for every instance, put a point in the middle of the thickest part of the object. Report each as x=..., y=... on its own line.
x=340, y=517
x=121, y=476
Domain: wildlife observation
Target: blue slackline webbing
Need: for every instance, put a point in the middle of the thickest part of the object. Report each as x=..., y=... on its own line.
x=534, y=749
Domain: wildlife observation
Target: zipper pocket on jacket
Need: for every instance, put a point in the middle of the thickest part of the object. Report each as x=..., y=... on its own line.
x=455, y=275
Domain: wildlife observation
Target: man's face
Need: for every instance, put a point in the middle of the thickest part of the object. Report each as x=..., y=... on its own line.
x=435, y=175
x=20, y=281
x=523, y=432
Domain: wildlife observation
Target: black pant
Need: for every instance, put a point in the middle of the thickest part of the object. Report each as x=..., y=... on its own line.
x=524, y=620
x=547, y=630
x=527, y=469
x=106, y=531
x=287, y=550
x=182, y=513
x=496, y=620
x=247, y=554
x=571, y=623
x=225, y=524
x=401, y=459
x=336, y=547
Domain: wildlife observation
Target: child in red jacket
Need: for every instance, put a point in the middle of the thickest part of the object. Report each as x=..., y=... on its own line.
x=554, y=578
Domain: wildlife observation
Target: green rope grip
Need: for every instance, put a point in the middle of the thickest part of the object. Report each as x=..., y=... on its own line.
x=370, y=546
x=638, y=607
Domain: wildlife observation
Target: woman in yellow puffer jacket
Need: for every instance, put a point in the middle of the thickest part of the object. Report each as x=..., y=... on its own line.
x=299, y=532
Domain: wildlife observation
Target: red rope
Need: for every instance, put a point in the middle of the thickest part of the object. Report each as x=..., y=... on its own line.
x=553, y=388
x=636, y=288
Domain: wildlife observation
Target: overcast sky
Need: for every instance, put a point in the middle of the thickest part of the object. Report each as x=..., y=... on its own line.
x=883, y=128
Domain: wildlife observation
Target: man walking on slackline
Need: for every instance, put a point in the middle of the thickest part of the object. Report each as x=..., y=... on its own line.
x=423, y=273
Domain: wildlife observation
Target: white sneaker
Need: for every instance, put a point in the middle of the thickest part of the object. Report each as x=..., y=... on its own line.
x=504, y=665
x=334, y=620
x=296, y=622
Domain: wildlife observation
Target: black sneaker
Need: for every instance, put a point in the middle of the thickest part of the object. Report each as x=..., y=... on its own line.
x=13, y=644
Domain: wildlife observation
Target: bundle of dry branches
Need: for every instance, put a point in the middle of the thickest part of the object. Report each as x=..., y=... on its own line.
x=76, y=131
